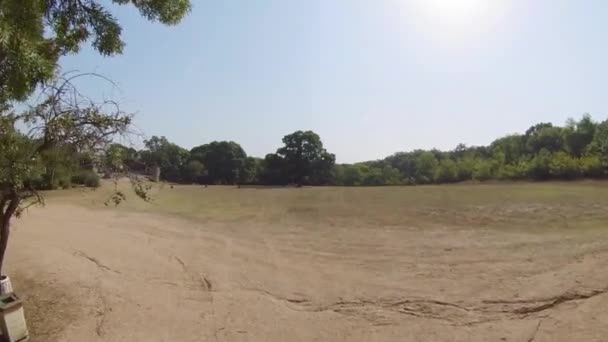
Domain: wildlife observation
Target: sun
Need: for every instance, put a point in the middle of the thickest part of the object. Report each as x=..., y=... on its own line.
x=456, y=11
x=453, y=21
x=456, y=8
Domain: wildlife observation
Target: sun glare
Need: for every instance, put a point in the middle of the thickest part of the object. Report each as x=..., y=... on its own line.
x=453, y=20
x=456, y=8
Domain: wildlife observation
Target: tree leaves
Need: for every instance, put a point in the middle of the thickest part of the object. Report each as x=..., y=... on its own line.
x=34, y=34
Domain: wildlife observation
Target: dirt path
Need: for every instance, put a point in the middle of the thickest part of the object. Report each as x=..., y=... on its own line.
x=96, y=275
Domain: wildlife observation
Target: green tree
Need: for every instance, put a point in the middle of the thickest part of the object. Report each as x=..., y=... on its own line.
x=306, y=161
x=372, y=176
x=274, y=170
x=483, y=170
x=599, y=144
x=564, y=166
x=224, y=161
x=426, y=165
x=539, y=166
x=34, y=34
x=167, y=156
x=390, y=175
x=352, y=175
x=511, y=148
x=544, y=136
x=446, y=171
x=118, y=156
x=578, y=135
x=60, y=120
x=193, y=171
x=250, y=171
x=591, y=166
x=464, y=168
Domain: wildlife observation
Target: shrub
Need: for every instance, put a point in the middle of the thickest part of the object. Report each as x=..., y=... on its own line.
x=87, y=178
x=482, y=170
x=564, y=166
x=591, y=166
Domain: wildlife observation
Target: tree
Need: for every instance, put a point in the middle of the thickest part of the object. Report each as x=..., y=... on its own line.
x=34, y=34
x=599, y=144
x=306, y=161
x=61, y=120
x=591, y=166
x=165, y=155
x=60, y=165
x=544, y=136
x=348, y=175
x=510, y=147
x=538, y=167
x=564, y=166
x=405, y=162
x=446, y=172
x=426, y=165
x=578, y=135
x=274, y=170
x=193, y=171
x=391, y=175
x=118, y=156
x=224, y=161
x=250, y=171
x=483, y=170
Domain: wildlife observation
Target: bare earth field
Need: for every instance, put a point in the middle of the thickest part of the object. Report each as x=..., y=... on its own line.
x=501, y=262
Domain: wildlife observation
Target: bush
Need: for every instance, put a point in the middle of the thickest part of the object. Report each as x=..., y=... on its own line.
x=446, y=172
x=483, y=170
x=53, y=181
x=591, y=166
x=512, y=171
x=564, y=166
x=87, y=178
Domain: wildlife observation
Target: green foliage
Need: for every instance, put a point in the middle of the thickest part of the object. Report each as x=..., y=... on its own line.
x=118, y=157
x=193, y=171
x=483, y=170
x=446, y=172
x=580, y=149
x=20, y=166
x=224, y=161
x=544, y=136
x=538, y=167
x=306, y=161
x=426, y=166
x=249, y=171
x=87, y=178
x=170, y=158
x=578, y=135
x=591, y=166
x=464, y=168
x=35, y=33
x=390, y=175
x=562, y=165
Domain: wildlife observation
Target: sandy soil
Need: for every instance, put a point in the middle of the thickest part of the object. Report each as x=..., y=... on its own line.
x=101, y=275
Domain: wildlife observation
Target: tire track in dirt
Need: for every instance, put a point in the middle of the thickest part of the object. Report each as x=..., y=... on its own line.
x=458, y=313
x=97, y=263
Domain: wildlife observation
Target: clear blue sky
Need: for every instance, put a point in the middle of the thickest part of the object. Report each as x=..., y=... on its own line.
x=371, y=77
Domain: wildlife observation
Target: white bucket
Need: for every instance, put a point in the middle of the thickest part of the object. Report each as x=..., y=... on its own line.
x=5, y=285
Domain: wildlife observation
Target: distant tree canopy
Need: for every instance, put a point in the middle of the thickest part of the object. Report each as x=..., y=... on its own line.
x=579, y=149
x=302, y=160
x=224, y=161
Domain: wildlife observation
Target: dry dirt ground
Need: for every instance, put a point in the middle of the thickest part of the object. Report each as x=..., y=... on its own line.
x=456, y=263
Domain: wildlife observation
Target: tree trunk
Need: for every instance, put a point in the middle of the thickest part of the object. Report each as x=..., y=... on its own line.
x=156, y=174
x=5, y=222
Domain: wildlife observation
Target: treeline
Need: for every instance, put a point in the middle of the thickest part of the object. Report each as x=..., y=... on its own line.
x=301, y=160
x=578, y=149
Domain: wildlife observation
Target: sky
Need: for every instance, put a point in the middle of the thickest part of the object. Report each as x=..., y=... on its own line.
x=370, y=77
